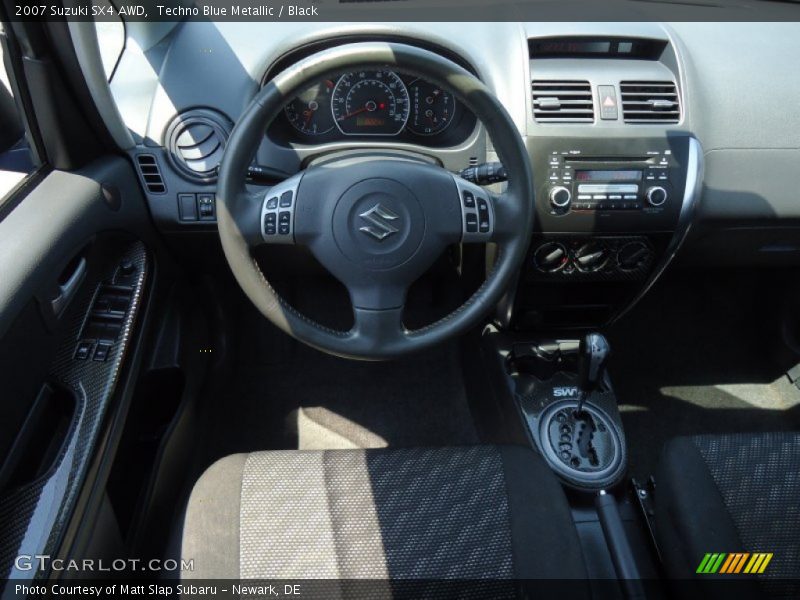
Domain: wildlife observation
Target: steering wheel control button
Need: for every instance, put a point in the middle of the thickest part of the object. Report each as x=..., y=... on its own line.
x=286, y=199
x=277, y=212
x=270, y=227
x=469, y=200
x=284, y=222
x=476, y=212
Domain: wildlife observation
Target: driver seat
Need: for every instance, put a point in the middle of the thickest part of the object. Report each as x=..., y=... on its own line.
x=466, y=513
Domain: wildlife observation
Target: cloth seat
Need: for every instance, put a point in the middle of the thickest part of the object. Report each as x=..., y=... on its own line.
x=473, y=512
x=734, y=493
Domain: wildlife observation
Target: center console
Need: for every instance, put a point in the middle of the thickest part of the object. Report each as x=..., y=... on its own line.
x=611, y=211
x=569, y=408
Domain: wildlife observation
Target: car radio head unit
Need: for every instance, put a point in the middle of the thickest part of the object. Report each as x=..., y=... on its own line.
x=590, y=186
x=586, y=182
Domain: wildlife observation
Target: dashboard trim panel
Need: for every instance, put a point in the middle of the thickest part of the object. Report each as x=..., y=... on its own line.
x=691, y=195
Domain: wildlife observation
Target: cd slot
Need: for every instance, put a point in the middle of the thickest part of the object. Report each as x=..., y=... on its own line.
x=611, y=160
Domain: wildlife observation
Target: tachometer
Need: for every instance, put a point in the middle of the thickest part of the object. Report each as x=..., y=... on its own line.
x=370, y=103
x=310, y=113
x=432, y=108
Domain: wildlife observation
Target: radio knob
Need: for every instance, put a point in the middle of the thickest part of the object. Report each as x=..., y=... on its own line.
x=560, y=197
x=656, y=196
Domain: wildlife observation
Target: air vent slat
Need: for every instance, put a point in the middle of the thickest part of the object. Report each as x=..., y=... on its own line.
x=566, y=111
x=151, y=174
x=207, y=148
x=194, y=136
x=651, y=94
x=650, y=102
x=562, y=101
x=207, y=164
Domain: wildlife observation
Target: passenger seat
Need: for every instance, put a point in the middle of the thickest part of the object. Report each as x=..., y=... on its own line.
x=732, y=494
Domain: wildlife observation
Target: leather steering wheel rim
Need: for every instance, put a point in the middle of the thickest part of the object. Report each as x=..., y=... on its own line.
x=239, y=212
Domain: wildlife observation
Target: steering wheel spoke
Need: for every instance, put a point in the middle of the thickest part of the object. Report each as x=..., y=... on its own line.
x=375, y=330
x=507, y=215
x=278, y=212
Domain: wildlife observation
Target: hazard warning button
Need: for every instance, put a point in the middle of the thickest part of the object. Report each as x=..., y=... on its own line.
x=608, y=102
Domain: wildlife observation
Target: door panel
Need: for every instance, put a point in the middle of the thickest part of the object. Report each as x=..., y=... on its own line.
x=74, y=265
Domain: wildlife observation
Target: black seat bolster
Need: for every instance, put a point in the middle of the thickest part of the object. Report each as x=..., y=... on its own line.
x=545, y=541
x=692, y=518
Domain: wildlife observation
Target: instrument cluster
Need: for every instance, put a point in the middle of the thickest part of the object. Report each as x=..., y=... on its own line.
x=374, y=104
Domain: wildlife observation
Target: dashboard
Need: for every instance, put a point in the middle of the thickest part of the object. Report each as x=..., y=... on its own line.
x=620, y=120
x=370, y=105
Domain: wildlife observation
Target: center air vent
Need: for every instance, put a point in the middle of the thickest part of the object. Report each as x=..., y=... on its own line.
x=650, y=102
x=196, y=141
x=562, y=101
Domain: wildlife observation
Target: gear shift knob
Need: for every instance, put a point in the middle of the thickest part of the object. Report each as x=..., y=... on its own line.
x=593, y=355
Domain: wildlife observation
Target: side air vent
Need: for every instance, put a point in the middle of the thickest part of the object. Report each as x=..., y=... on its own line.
x=151, y=174
x=196, y=141
x=650, y=102
x=562, y=101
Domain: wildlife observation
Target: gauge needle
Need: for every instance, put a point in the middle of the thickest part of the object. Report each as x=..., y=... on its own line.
x=355, y=112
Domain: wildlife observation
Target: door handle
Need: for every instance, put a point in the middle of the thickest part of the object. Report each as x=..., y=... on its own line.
x=67, y=290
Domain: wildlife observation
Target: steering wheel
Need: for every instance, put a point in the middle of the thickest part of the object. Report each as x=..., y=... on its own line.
x=375, y=223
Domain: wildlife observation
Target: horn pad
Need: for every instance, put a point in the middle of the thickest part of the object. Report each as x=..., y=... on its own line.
x=378, y=223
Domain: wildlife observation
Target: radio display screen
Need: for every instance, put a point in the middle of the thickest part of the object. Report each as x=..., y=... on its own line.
x=608, y=175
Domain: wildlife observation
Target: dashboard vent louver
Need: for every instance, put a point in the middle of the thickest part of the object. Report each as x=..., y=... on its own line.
x=151, y=174
x=650, y=102
x=196, y=141
x=562, y=101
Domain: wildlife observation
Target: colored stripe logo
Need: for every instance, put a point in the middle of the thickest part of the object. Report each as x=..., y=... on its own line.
x=734, y=563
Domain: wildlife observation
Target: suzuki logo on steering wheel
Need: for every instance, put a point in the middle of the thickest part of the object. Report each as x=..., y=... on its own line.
x=379, y=221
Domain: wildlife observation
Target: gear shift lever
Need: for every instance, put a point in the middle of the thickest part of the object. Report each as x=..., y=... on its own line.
x=592, y=358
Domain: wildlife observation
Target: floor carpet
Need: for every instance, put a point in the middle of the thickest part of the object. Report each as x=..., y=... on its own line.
x=696, y=356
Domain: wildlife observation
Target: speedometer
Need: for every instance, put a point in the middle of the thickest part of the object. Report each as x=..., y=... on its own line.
x=370, y=103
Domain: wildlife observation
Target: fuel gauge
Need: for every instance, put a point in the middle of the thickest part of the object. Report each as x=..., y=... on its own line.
x=432, y=108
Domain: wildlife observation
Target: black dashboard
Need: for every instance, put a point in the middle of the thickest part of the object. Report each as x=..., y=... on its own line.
x=374, y=105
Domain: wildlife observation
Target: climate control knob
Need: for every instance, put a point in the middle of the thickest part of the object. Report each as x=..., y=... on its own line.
x=560, y=197
x=656, y=196
x=550, y=257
